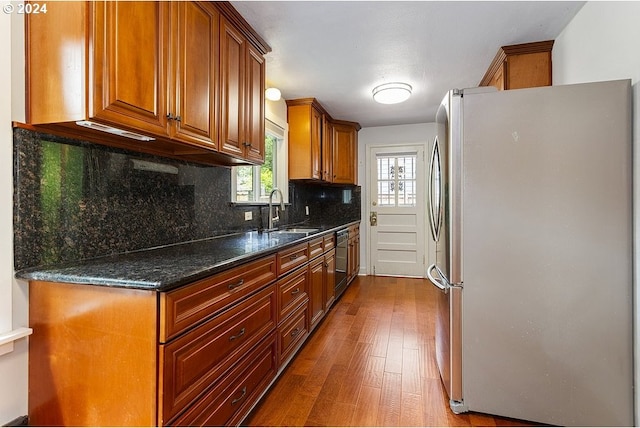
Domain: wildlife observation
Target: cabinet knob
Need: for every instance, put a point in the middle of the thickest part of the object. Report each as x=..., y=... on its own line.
x=246, y=144
x=172, y=117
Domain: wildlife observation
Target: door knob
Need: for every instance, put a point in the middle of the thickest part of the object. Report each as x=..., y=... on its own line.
x=373, y=218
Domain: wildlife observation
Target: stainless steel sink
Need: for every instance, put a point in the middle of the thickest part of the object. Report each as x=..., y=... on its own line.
x=300, y=230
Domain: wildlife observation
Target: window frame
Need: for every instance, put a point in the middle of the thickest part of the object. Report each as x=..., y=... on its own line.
x=280, y=168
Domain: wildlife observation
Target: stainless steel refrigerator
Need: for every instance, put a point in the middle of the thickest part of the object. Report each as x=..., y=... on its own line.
x=530, y=205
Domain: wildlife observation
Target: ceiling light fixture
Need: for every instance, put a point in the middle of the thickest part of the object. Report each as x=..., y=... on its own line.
x=272, y=94
x=392, y=93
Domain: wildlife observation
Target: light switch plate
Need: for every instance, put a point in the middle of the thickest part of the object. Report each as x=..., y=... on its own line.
x=248, y=215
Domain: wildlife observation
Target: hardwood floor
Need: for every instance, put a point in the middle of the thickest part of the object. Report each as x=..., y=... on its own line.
x=371, y=362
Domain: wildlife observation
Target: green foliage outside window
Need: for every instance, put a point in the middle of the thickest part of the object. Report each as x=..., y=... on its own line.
x=248, y=188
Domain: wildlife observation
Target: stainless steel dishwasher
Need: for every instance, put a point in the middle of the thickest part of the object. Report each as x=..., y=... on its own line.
x=342, y=260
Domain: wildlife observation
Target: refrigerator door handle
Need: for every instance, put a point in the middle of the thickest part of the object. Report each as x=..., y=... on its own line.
x=433, y=221
x=442, y=284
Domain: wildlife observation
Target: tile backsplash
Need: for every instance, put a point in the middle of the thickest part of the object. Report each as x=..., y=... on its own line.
x=75, y=200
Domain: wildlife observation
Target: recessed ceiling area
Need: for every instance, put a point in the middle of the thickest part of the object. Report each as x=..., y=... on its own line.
x=338, y=51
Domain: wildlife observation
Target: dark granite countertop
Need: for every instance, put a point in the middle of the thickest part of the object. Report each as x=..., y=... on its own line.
x=169, y=267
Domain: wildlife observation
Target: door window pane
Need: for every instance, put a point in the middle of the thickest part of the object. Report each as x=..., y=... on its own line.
x=397, y=180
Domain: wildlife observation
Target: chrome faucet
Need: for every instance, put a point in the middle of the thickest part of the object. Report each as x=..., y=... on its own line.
x=273, y=218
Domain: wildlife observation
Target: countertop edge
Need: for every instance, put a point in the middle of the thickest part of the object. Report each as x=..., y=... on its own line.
x=57, y=273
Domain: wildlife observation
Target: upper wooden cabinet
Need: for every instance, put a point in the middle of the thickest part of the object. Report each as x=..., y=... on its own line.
x=130, y=65
x=194, y=74
x=345, y=152
x=520, y=66
x=305, y=139
x=242, y=95
x=151, y=68
x=320, y=148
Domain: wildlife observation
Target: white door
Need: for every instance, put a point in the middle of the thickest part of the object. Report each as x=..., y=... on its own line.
x=396, y=211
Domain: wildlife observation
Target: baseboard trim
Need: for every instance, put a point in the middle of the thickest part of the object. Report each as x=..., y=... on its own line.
x=21, y=421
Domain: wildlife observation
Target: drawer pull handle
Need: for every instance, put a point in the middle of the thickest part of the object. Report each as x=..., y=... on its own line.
x=234, y=337
x=296, y=291
x=295, y=332
x=236, y=285
x=235, y=400
x=293, y=256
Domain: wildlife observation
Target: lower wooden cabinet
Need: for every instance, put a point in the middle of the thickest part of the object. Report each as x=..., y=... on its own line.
x=229, y=401
x=354, y=252
x=316, y=290
x=292, y=291
x=292, y=333
x=322, y=279
x=202, y=354
x=194, y=361
x=329, y=278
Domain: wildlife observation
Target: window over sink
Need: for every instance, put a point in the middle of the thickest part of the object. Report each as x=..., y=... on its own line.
x=253, y=184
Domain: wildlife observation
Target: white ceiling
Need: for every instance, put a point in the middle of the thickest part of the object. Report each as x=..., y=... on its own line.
x=338, y=51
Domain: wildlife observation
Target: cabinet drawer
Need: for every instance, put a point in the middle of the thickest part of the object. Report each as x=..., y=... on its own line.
x=291, y=258
x=292, y=332
x=329, y=241
x=292, y=290
x=316, y=247
x=192, y=304
x=191, y=363
x=233, y=395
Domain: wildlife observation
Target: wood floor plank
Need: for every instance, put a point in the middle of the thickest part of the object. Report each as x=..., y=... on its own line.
x=323, y=407
x=364, y=414
x=394, y=355
x=411, y=381
x=276, y=404
x=298, y=410
x=371, y=362
x=390, y=399
x=380, y=341
x=374, y=371
x=412, y=411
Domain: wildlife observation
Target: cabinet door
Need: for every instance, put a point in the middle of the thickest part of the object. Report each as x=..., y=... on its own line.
x=254, y=136
x=232, y=87
x=316, y=290
x=305, y=139
x=329, y=279
x=130, y=63
x=194, y=70
x=316, y=144
x=54, y=45
x=327, y=149
x=344, y=154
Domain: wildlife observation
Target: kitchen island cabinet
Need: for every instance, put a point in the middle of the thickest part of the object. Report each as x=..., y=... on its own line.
x=184, y=351
x=150, y=73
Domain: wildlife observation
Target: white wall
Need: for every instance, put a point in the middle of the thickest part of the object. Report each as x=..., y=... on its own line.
x=416, y=134
x=13, y=302
x=602, y=42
